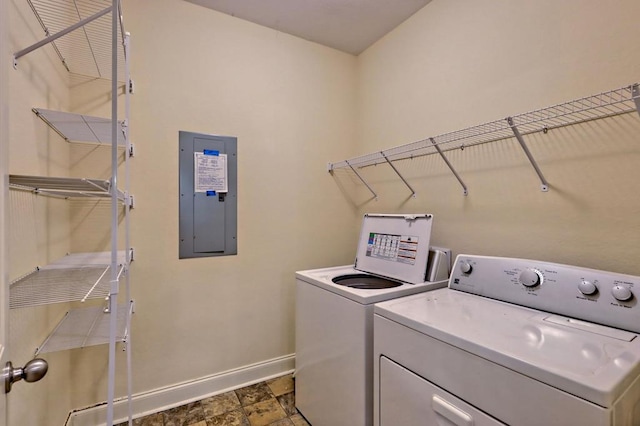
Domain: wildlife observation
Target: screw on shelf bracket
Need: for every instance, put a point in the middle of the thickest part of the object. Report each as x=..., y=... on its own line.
x=446, y=160
x=544, y=187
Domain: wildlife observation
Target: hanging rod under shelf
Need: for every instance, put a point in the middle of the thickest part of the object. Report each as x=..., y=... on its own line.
x=606, y=104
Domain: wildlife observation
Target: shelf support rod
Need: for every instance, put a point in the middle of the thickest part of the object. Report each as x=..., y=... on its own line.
x=635, y=93
x=113, y=294
x=44, y=344
x=545, y=185
x=413, y=193
x=446, y=160
x=360, y=177
x=59, y=34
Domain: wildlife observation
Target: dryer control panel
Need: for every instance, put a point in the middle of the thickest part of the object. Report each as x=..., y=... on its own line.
x=603, y=297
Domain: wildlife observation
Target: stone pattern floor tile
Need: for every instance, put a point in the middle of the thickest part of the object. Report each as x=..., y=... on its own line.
x=230, y=418
x=288, y=403
x=298, y=420
x=151, y=420
x=255, y=393
x=270, y=403
x=264, y=413
x=284, y=422
x=281, y=385
x=185, y=415
x=220, y=404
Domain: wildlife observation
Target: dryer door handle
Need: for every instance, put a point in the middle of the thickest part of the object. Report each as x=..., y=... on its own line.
x=450, y=412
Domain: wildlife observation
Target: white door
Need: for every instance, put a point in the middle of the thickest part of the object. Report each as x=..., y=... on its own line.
x=4, y=133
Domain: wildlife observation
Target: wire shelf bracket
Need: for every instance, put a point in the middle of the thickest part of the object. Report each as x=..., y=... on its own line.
x=78, y=30
x=413, y=193
x=57, y=35
x=544, y=186
x=375, y=196
x=465, y=191
x=635, y=92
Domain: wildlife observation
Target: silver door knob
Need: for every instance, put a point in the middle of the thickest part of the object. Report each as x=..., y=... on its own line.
x=33, y=371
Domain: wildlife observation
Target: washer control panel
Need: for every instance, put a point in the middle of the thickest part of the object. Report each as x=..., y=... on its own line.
x=598, y=296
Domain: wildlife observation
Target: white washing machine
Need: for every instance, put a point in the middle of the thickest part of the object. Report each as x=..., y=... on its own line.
x=511, y=342
x=334, y=315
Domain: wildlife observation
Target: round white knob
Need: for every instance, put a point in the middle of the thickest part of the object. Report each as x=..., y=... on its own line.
x=466, y=268
x=530, y=278
x=587, y=288
x=621, y=293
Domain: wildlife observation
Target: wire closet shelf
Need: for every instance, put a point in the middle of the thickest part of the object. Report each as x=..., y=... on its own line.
x=86, y=26
x=81, y=128
x=75, y=277
x=65, y=187
x=603, y=105
x=606, y=104
x=80, y=328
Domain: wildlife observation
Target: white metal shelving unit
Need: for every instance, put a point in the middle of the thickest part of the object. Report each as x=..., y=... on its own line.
x=89, y=38
x=607, y=104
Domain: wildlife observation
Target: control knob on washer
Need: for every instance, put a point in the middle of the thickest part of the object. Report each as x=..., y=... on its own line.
x=587, y=288
x=621, y=293
x=530, y=278
x=466, y=267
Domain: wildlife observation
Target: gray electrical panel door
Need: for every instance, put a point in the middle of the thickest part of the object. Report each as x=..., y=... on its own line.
x=208, y=195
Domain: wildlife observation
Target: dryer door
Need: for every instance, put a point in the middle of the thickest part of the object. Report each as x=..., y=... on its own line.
x=408, y=399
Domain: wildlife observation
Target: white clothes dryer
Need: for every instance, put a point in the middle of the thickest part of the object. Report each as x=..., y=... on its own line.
x=511, y=342
x=334, y=315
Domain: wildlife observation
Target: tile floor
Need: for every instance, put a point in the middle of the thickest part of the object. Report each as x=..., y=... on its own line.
x=269, y=403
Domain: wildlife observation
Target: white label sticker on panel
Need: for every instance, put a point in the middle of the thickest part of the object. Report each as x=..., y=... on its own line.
x=210, y=172
x=394, y=248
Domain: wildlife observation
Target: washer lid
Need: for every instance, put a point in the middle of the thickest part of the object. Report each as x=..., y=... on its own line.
x=395, y=246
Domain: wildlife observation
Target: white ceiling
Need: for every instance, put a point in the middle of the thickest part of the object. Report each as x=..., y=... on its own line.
x=347, y=25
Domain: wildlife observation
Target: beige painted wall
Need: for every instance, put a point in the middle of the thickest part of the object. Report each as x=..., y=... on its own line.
x=456, y=64
x=291, y=104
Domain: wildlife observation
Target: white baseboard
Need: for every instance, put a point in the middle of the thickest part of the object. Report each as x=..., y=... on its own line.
x=182, y=393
